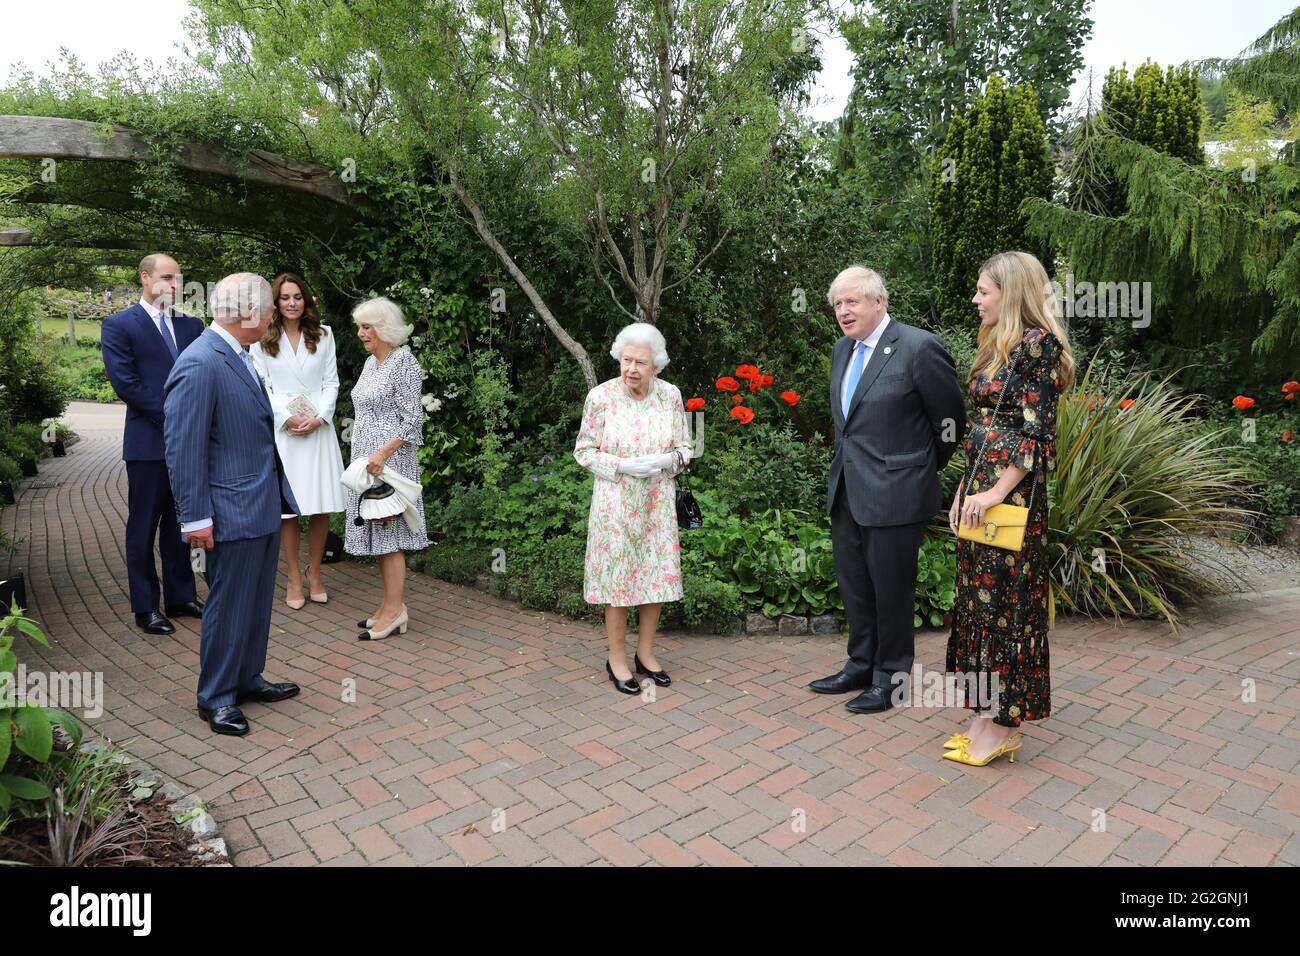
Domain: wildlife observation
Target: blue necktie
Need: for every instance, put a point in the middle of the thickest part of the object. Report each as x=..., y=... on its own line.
x=252, y=369
x=167, y=335
x=855, y=373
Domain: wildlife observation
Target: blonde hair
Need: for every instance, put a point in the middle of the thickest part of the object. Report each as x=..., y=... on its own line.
x=867, y=281
x=1028, y=302
x=385, y=317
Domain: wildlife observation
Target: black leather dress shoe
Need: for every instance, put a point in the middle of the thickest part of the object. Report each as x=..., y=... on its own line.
x=268, y=693
x=629, y=686
x=151, y=622
x=871, y=701
x=188, y=609
x=841, y=683
x=659, y=677
x=225, y=720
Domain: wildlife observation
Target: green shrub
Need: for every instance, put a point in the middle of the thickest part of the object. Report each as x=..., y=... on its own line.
x=1132, y=489
x=26, y=732
x=1273, y=464
x=9, y=470
x=25, y=442
x=707, y=604
x=936, y=580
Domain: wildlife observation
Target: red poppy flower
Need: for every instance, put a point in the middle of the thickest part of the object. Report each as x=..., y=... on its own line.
x=753, y=385
x=1290, y=388
x=742, y=414
x=1243, y=403
x=790, y=398
x=1287, y=436
x=737, y=399
x=694, y=404
x=727, y=384
x=1291, y=396
x=1127, y=403
x=764, y=381
x=747, y=372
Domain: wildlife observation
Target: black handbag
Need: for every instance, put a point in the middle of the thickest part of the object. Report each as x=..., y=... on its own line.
x=689, y=516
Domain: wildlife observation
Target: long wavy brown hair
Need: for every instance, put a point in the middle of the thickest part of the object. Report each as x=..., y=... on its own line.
x=309, y=324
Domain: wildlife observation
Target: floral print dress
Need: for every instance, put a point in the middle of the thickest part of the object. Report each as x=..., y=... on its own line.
x=633, y=552
x=1000, y=617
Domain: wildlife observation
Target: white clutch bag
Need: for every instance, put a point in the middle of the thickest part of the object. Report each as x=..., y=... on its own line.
x=302, y=405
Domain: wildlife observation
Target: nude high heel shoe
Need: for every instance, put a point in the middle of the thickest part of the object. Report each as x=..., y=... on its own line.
x=399, y=625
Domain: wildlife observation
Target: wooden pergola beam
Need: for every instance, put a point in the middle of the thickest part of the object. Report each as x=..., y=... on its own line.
x=23, y=237
x=52, y=137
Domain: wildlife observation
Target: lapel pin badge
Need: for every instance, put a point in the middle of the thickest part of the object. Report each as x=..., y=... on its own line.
x=888, y=350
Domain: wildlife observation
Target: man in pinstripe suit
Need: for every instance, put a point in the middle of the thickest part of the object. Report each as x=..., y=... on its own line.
x=230, y=492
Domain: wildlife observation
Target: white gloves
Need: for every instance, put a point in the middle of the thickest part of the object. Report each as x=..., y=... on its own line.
x=647, y=465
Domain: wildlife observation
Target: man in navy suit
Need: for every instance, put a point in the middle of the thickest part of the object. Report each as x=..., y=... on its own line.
x=140, y=345
x=231, y=491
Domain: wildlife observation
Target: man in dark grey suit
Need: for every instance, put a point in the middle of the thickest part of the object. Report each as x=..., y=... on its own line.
x=230, y=492
x=899, y=414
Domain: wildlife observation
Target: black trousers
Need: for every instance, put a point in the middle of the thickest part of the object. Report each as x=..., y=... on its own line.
x=876, y=570
x=151, y=513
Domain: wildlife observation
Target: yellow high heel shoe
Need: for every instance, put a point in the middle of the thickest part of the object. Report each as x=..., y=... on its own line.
x=955, y=741
x=1008, y=747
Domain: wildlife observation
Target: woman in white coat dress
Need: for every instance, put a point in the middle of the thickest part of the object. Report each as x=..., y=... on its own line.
x=296, y=361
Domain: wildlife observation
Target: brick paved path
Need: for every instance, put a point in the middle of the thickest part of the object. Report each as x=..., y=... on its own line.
x=486, y=713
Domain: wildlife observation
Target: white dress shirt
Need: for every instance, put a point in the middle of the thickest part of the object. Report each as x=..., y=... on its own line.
x=870, y=344
x=155, y=313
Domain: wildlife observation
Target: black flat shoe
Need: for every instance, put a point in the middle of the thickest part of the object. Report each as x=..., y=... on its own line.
x=268, y=693
x=151, y=622
x=659, y=677
x=225, y=720
x=188, y=609
x=873, y=700
x=840, y=683
x=629, y=686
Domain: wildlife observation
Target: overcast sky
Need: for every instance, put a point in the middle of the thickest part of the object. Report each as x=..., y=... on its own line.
x=1167, y=31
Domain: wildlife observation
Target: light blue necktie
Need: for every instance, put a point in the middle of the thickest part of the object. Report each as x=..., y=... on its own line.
x=855, y=373
x=252, y=369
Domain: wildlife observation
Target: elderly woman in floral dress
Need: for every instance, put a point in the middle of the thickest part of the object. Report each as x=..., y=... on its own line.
x=634, y=439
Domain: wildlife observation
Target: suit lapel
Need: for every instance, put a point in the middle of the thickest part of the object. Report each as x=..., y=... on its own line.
x=880, y=356
x=152, y=334
x=839, y=364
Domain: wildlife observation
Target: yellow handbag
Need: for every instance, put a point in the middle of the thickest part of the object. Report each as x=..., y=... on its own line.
x=1004, y=525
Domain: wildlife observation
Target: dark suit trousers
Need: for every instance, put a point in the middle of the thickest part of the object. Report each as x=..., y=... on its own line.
x=876, y=569
x=237, y=616
x=151, y=513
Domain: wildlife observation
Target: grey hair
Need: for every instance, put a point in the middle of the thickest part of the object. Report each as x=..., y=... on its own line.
x=866, y=281
x=641, y=333
x=385, y=317
x=239, y=294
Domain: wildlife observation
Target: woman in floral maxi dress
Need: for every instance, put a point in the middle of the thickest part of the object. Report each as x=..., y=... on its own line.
x=634, y=439
x=1000, y=617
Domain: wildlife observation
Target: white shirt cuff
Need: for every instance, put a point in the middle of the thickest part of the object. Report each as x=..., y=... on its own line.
x=189, y=526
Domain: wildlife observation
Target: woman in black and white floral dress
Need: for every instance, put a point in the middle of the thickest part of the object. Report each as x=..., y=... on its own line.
x=387, y=431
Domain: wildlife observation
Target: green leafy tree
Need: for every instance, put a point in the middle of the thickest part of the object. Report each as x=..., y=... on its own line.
x=993, y=159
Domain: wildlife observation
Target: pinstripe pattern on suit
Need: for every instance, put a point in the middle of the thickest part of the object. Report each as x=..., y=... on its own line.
x=221, y=457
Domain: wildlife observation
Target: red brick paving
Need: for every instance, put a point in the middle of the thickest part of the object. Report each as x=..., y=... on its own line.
x=488, y=734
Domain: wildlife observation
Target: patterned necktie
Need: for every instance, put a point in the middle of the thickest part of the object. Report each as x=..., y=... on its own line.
x=855, y=373
x=168, y=337
x=252, y=369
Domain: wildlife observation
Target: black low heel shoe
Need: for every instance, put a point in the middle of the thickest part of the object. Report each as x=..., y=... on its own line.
x=659, y=677
x=629, y=686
